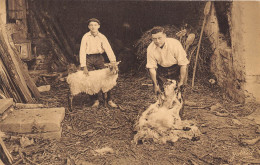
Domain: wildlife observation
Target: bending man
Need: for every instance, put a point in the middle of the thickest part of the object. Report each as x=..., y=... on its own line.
x=166, y=59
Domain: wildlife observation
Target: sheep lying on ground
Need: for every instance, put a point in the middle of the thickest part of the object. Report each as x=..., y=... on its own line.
x=161, y=121
x=97, y=80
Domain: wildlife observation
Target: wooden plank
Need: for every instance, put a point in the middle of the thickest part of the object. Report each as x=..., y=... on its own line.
x=5, y=104
x=2, y=95
x=5, y=156
x=13, y=54
x=37, y=72
x=1, y=162
x=30, y=83
x=12, y=83
x=23, y=78
x=29, y=106
x=12, y=64
x=25, y=74
x=7, y=85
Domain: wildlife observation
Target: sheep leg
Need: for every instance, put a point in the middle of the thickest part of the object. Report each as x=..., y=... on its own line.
x=181, y=112
x=70, y=100
x=105, y=99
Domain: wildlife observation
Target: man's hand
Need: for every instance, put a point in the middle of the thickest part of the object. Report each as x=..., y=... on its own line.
x=85, y=71
x=156, y=89
x=180, y=84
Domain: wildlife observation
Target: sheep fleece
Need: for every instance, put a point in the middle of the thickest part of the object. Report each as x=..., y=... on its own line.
x=162, y=124
x=97, y=80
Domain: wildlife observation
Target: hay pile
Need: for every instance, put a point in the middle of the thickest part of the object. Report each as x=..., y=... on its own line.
x=174, y=32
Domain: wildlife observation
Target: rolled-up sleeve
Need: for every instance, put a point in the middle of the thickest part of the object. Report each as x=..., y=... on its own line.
x=181, y=55
x=106, y=46
x=151, y=61
x=82, y=51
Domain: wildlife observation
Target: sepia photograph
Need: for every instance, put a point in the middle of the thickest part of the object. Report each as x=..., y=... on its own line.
x=129, y=82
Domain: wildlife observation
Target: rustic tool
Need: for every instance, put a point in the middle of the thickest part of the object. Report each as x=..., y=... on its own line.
x=206, y=12
x=190, y=39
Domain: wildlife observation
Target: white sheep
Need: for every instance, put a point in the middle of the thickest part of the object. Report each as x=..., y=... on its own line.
x=161, y=121
x=97, y=80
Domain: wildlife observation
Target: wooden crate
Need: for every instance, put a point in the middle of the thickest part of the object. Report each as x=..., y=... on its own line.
x=25, y=50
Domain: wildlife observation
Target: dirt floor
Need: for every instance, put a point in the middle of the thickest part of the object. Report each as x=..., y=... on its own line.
x=85, y=130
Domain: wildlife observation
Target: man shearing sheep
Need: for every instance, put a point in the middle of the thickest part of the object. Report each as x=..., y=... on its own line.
x=166, y=59
x=94, y=47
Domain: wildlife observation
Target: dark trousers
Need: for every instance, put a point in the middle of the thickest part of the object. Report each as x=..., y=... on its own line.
x=95, y=62
x=164, y=73
x=172, y=72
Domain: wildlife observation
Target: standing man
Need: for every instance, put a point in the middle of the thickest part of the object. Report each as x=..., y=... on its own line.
x=94, y=47
x=166, y=59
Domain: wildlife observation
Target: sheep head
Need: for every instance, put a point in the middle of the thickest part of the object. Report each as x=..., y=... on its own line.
x=72, y=68
x=170, y=86
x=170, y=94
x=113, y=67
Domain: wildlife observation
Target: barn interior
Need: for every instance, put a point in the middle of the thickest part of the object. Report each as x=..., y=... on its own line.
x=125, y=24
x=46, y=37
x=125, y=20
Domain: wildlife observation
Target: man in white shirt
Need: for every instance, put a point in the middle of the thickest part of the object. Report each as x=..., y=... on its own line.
x=94, y=47
x=166, y=59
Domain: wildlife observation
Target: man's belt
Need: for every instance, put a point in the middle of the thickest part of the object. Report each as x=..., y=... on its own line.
x=94, y=54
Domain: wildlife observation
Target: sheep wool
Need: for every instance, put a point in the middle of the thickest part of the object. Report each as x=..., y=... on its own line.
x=96, y=81
x=162, y=123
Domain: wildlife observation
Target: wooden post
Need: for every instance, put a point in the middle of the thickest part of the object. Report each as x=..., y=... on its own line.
x=206, y=12
x=5, y=156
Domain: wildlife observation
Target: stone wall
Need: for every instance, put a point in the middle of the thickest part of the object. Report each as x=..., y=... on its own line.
x=245, y=16
x=3, y=11
x=236, y=67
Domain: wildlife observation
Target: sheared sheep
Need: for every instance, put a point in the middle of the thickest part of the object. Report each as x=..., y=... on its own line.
x=161, y=122
x=97, y=80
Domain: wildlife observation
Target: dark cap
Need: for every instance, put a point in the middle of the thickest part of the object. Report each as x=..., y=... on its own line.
x=93, y=20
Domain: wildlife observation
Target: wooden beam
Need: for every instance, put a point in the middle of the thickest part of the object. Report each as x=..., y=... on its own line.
x=15, y=67
x=11, y=61
x=8, y=86
x=5, y=156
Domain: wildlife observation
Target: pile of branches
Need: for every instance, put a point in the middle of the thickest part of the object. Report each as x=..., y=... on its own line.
x=44, y=26
x=181, y=34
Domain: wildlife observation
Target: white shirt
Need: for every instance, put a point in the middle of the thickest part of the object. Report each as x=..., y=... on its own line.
x=98, y=44
x=171, y=53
